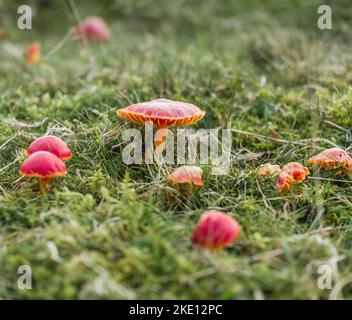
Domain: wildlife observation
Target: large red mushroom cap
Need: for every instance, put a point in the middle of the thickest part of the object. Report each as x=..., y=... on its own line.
x=43, y=165
x=163, y=113
x=187, y=174
x=51, y=144
x=215, y=230
x=93, y=28
x=332, y=158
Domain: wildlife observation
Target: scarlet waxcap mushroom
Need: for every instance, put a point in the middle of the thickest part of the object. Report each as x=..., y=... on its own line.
x=268, y=169
x=51, y=144
x=332, y=158
x=290, y=173
x=44, y=166
x=215, y=230
x=163, y=113
x=297, y=171
x=33, y=54
x=284, y=181
x=93, y=28
x=187, y=174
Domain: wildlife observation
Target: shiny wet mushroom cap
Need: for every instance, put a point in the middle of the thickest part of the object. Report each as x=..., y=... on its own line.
x=215, y=230
x=51, y=144
x=44, y=166
x=93, y=28
x=163, y=113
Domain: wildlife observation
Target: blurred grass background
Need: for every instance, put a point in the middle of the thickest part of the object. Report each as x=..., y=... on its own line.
x=185, y=17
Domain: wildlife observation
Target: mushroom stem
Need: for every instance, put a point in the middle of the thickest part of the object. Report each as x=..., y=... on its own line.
x=190, y=190
x=160, y=139
x=43, y=185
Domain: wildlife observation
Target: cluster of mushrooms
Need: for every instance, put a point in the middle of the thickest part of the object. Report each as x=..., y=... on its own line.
x=46, y=156
x=215, y=229
x=330, y=159
x=91, y=28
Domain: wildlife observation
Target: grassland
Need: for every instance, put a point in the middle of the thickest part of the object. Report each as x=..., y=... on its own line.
x=109, y=230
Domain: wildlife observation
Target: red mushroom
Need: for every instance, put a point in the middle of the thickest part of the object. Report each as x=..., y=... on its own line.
x=284, y=181
x=290, y=173
x=93, y=28
x=187, y=174
x=215, y=230
x=296, y=170
x=44, y=166
x=331, y=159
x=163, y=113
x=51, y=144
x=33, y=54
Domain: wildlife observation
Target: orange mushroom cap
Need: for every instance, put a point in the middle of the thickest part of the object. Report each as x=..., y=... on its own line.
x=51, y=144
x=284, y=181
x=215, y=230
x=297, y=171
x=290, y=173
x=93, y=28
x=163, y=113
x=43, y=165
x=187, y=174
x=268, y=169
x=332, y=158
x=33, y=54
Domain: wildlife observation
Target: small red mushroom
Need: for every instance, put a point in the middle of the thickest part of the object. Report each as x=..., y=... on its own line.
x=93, y=28
x=33, y=54
x=290, y=173
x=51, y=144
x=187, y=174
x=44, y=166
x=297, y=171
x=284, y=182
x=215, y=230
x=332, y=158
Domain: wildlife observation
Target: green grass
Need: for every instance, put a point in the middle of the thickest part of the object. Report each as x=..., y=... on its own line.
x=119, y=230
